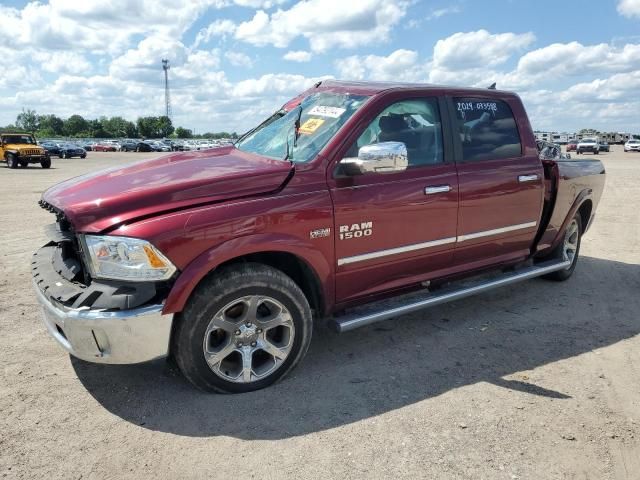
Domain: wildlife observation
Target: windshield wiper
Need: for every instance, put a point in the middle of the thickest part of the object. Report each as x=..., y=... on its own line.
x=278, y=114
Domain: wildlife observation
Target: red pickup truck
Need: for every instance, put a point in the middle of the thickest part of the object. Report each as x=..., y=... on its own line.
x=353, y=203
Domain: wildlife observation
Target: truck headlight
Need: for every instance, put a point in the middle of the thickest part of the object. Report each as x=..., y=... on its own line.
x=125, y=258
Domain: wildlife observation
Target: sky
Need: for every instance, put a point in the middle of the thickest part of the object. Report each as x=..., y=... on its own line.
x=576, y=64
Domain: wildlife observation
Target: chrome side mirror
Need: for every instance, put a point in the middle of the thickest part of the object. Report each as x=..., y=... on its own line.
x=383, y=157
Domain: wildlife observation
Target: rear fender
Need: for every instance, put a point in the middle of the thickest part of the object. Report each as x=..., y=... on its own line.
x=581, y=198
x=211, y=259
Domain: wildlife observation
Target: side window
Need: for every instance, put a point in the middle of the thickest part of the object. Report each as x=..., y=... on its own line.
x=416, y=123
x=487, y=129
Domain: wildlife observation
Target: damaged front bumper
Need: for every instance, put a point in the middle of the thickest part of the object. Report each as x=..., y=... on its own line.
x=100, y=335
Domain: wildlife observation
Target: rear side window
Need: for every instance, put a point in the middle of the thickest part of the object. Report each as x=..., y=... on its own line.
x=487, y=129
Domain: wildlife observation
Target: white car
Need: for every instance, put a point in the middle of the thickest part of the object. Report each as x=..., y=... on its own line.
x=632, y=145
x=588, y=145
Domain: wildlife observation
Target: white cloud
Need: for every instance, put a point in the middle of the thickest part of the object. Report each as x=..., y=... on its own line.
x=629, y=8
x=218, y=28
x=400, y=65
x=479, y=49
x=324, y=23
x=441, y=12
x=574, y=58
x=273, y=84
x=297, y=56
x=472, y=58
x=239, y=59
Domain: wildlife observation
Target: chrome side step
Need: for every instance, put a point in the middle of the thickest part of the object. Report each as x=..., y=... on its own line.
x=351, y=321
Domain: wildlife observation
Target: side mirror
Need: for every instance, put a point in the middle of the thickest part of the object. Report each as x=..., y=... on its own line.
x=384, y=157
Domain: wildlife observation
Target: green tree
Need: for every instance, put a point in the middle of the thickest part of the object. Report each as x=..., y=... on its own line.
x=183, y=133
x=27, y=120
x=119, y=127
x=75, y=125
x=50, y=125
x=96, y=128
x=164, y=126
x=147, y=127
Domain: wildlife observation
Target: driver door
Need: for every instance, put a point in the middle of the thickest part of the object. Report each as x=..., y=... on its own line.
x=396, y=229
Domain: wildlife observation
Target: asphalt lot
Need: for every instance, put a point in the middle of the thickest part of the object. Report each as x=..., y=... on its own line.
x=540, y=380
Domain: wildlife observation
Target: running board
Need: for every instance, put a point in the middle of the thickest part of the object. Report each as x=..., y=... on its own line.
x=351, y=321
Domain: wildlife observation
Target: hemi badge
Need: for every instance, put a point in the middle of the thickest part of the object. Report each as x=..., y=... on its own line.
x=319, y=233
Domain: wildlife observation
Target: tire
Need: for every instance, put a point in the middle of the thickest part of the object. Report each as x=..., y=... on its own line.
x=215, y=321
x=46, y=163
x=12, y=161
x=60, y=155
x=596, y=153
x=83, y=156
x=560, y=252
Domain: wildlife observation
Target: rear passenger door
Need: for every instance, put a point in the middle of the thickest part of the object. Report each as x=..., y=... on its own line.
x=500, y=180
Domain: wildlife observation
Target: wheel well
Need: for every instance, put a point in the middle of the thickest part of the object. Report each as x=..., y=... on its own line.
x=585, y=213
x=293, y=266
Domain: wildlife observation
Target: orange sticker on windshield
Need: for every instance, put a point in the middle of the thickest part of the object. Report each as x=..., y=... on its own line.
x=310, y=126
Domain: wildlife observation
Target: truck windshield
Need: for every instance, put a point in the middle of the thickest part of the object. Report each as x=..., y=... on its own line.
x=18, y=139
x=320, y=116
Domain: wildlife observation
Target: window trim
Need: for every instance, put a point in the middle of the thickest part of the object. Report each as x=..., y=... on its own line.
x=445, y=127
x=457, y=143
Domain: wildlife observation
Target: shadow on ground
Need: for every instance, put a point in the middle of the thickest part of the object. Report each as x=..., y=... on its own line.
x=386, y=366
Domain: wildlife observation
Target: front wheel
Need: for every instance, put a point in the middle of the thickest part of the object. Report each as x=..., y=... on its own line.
x=244, y=329
x=46, y=163
x=12, y=161
x=568, y=250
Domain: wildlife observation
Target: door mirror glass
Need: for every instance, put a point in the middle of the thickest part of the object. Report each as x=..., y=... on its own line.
x=383, y=157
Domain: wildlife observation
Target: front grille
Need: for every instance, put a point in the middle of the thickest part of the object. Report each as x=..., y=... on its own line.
x=71, y=265
x=30, y=151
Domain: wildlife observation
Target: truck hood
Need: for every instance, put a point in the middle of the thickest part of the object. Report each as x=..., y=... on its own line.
x=99, y=201
x=23, y=146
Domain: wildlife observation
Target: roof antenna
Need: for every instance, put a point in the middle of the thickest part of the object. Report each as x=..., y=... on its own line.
x=492, y=86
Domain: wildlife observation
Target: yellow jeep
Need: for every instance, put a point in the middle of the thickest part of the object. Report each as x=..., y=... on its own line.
x=21, y=149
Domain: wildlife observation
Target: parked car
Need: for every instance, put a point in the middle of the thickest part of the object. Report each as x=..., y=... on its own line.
x=159, y=146
x=633, y=145
x=88, y=146
x=572, y=146
x=69, y=150
x=136, y=146
x=52, y=148
x=21, y=149
x=225, y=258
x=103, y=147
x=588, y=145
x=604, y=146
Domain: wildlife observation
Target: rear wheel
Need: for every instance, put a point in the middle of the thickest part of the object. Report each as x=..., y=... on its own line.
x=243, y=329
x=568, y=250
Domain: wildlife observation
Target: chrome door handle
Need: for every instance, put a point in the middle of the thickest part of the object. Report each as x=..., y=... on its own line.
x=437, y=189
x=527, y=178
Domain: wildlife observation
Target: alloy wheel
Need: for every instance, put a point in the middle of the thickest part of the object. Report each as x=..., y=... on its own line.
x=248, y=339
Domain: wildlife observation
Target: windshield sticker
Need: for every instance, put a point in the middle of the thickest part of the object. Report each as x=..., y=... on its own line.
x=322, y=111
x=310, y=126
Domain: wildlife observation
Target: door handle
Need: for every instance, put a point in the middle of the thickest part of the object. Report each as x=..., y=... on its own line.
x=433, y=189
x=527, y=178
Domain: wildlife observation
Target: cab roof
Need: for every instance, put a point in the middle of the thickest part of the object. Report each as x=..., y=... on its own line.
x=372, y=88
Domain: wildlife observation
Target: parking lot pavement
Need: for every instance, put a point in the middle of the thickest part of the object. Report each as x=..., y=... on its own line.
x=539, y=380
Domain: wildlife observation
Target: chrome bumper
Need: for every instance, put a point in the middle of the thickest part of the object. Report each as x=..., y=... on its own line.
x=124, y=336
